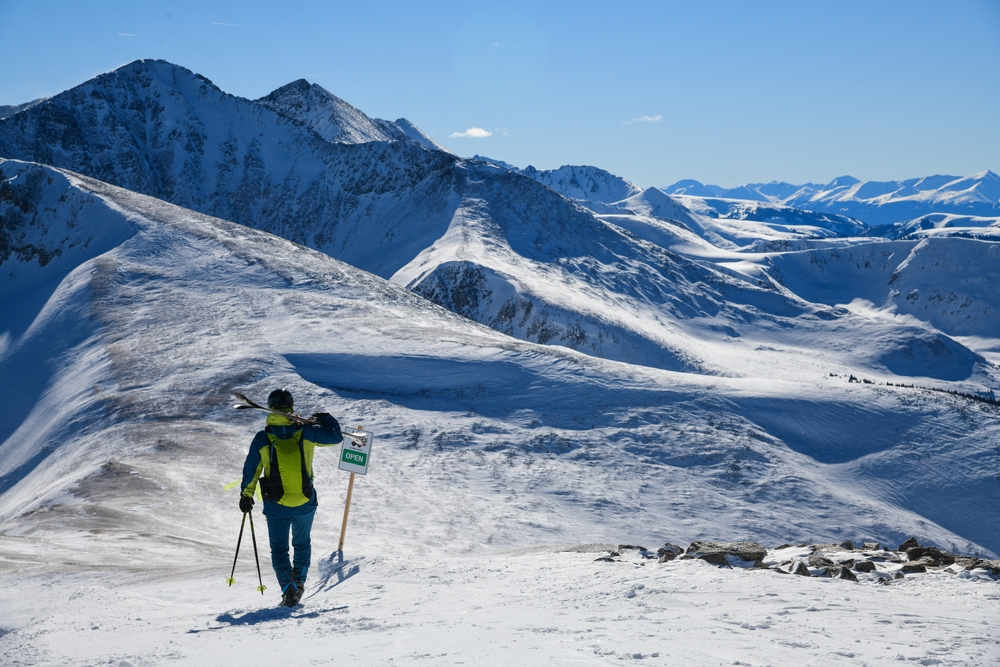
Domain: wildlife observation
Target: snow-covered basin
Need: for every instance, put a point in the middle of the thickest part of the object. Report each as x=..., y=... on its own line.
x=543, y=606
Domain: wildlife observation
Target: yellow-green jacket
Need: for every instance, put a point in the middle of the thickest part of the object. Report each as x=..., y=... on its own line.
x=281, y=458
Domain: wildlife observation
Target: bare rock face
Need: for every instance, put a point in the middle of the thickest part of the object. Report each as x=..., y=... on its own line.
x=842, y=573
x=936, y=557
x=669, y=552
x=992, y=565
x=715, y=558
x=818, y=560
x=749, y=551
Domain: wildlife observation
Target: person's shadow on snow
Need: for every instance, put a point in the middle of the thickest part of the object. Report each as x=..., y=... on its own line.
x=333, y=571
x=266, y=615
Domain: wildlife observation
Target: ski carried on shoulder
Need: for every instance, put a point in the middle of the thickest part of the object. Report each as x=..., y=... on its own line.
x=247, y=404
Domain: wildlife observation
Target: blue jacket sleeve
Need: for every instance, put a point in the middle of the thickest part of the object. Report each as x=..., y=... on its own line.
x=326, y=433
x=253, y=465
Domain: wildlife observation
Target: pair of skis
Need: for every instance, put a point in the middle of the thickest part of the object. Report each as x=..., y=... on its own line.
x=247, y=404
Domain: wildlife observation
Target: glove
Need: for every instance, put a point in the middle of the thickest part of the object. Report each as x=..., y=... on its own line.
x=327, y=421
x=246, y=504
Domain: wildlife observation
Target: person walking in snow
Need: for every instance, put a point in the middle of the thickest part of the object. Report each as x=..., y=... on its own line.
x=281, y=458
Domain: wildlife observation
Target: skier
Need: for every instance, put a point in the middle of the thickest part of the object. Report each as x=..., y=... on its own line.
x=281, y=457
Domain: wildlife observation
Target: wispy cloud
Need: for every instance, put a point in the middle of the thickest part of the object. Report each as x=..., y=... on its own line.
x=232, y=25
x=645, y=119
x=471, y=133
x=127, y=34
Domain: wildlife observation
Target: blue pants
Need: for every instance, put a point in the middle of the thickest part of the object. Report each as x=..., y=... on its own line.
x=280, y=521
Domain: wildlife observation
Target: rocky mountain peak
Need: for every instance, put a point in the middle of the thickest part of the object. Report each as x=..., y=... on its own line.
x=329, y=116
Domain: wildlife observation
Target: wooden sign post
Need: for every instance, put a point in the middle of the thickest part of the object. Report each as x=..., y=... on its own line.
x=354, y=458
x=347, y=510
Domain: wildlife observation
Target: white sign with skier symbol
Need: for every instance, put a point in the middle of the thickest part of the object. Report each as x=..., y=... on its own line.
x=356, y=451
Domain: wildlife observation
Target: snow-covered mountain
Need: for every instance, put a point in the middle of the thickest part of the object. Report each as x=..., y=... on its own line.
x=337, y=121
x=773, y=214
x=146, y=315
x=10, y=110
x=942, y=224
x=490, y=244
x=581, y=183
x=651, y=370
x=874, y=202
x=589, y=184
x=287, y=165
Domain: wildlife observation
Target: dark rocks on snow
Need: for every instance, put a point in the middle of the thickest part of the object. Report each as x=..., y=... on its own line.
x=716, y=558
x=669, y=552
x=750, y=551
x=825, y=560
x=818, y=560
x=841, y=573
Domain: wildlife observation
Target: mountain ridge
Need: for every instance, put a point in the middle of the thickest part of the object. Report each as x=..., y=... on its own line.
x=875, y=202
x=138, y=320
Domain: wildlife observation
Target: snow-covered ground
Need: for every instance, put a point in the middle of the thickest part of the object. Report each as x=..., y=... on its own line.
x=495, y=459
x=543, y=606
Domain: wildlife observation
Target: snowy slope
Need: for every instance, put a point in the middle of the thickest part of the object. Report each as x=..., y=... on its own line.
x=329, y=116
x=943, y=224
x=588, y=184
x=10, y=110
x=950, y=283
x=184, y=289
x=337, y=121
x=772, y=214
x=487, y=449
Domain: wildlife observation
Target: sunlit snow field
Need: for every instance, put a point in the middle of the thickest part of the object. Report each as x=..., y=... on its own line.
x=501, y=470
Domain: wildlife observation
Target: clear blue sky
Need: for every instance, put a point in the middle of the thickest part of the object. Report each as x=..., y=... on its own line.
x=726, y=92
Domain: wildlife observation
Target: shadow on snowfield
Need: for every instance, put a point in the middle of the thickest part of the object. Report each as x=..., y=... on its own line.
x=266, y=615
x=333, y=571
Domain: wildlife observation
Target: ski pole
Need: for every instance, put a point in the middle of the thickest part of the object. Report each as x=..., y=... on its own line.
x=254, y=538
x=230, y=580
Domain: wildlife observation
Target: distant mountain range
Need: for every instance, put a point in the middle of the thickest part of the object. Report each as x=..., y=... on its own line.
x=844, y=207
x=500, y=246
x=874, y=202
